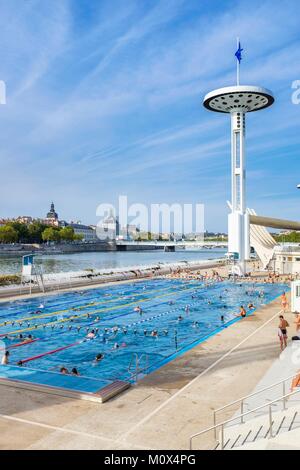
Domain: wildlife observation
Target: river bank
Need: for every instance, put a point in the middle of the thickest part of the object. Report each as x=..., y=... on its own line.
x=21, y=249
x=66, y=281
x=68, y=262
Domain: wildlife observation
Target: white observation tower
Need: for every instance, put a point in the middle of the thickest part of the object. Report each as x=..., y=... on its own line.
x=237, y=101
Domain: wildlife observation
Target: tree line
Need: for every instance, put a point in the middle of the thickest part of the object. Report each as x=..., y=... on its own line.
x=292, y=237
x=16, y=232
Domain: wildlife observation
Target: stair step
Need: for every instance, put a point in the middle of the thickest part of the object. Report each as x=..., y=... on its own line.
x=293, y=420
x=280, y=426
x=258, y=433
x=226, y=444
x=113, y=389
x=247, y=437
x=236, y=441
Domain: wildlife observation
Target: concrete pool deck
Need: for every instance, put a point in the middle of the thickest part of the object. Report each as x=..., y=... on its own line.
x=163, y=410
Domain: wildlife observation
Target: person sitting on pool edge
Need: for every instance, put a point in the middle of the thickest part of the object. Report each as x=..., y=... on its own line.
x=242, y=313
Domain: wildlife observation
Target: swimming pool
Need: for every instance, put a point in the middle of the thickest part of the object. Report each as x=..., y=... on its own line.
x=59, y=325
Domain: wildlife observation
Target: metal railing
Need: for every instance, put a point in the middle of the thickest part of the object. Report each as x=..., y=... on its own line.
x=137, y=360
x=242, y=400
x=224, y=423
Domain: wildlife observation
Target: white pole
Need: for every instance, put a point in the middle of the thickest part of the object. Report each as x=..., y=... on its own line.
x=238, y=65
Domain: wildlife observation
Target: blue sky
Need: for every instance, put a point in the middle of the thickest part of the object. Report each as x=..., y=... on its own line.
x=104, y=97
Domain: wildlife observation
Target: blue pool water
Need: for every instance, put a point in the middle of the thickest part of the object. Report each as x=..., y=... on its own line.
x=59, y=326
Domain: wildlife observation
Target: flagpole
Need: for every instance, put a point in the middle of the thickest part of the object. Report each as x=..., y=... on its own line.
x=238, y=65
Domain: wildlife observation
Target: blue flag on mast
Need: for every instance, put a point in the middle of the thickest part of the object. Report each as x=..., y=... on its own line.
x=238, y=53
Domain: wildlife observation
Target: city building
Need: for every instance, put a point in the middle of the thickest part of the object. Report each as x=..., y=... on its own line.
x=87, y=233
x=286, y=259
x=25, y=219
x=109, y=228
x=52, y=217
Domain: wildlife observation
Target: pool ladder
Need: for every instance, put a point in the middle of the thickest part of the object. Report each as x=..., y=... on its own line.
x=136, y=362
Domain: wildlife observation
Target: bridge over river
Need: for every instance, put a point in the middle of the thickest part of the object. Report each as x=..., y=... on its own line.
x=125, y=245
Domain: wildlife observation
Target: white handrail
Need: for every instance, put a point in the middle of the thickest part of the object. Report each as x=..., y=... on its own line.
x=241, y=400
x=212, y=428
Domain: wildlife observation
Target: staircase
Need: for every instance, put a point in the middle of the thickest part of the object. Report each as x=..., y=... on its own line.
x=258, y=426
x=262, y=241
x=258, y=429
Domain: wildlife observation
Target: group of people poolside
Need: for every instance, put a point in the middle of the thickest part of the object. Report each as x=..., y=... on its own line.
x=186, y=274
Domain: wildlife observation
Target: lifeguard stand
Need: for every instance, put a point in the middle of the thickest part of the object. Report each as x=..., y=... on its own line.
x=30, y=272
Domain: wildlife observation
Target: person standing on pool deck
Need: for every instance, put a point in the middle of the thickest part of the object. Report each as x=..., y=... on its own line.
x=282, y=332
x=284, y=302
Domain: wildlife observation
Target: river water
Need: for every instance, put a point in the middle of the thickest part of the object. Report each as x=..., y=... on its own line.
x=107, y=260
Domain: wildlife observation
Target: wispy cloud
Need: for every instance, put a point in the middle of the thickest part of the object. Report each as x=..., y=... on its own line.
x=106, y=97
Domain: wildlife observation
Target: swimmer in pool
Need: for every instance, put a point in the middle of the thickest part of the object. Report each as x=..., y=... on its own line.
x=145, y=332
x=165, y=332
x=28, y=339
x=180, y=318
x=154, y=333
x=99, y=357
x=64, y=371
x=187, y=309
x=91, y=334
x=251, y=306
x=75, y=372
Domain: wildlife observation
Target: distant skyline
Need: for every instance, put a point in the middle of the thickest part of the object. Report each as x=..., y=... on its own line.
x=105, y=98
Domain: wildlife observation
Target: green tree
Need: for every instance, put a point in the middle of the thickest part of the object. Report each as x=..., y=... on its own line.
x=8, y=234
x=67, y=234
x=50, y=234
x=293, y=237
x=78, y=236
x=35, y=231
x=22, y=231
